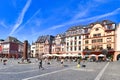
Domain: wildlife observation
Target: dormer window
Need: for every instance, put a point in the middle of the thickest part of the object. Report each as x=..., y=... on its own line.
x=104, y=22
x=96, y=29
x=91, y=25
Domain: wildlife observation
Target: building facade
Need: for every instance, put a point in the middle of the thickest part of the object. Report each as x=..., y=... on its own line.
x=74, y=40
x=101, y=37
x=12, y=48
x=43, y=45
x=117, y=49
x=33, y=51
x=58, y=44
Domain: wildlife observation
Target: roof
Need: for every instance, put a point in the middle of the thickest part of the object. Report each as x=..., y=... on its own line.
x=12, y=39
x=42, y=39
x=102, y=22
x=61, y=35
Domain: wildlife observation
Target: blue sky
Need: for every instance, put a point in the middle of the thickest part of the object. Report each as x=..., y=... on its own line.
x=28, y=19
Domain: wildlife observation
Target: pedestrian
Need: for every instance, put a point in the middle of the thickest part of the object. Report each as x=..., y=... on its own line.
x=62, y=62
x=40, y=64
x=79, y=62
x=4, y=62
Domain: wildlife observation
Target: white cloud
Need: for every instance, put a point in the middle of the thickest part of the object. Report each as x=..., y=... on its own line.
x=55, y=27
x=21, y=17
x=29, y=21
x=3, y=24
x=116, y=11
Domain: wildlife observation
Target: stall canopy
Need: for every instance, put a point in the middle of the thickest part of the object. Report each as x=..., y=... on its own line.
x=92, y=55
x=101, y=55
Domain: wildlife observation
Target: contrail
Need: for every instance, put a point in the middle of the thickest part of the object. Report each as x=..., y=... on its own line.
x=28, y=21
x=21, y=17
x=116, y=11
x=3, y=24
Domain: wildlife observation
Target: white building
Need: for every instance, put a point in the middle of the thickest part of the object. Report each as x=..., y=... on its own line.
x=58, y=44
x=118, y=42
x=33, y=50
x=74, y=40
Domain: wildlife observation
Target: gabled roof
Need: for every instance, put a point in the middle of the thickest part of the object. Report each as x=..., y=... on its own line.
x=61, y=35
x=12, y=39
x=42, y=39
x=78, y=27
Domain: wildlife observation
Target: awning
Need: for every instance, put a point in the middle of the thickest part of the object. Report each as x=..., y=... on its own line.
x=101, y=55
x=92, y=55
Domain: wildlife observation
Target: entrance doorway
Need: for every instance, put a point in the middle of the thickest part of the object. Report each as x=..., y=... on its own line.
x=118, y=57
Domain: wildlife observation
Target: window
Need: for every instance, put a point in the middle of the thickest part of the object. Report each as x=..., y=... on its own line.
x=67, y=44
x=109, y=39
x=99, y=40
x=67, y=48
x=97, y=35
x=71, y=43
x=96, y=29
x=86, y=42
x=79, y=42
x=79, y=37
x=75, y=48
x=94, y=41
x=109, y=26
x=109, y=33
x=62, y=49
x=93, y=47
x=108, y=46
x=75, y=42
x=79, y=47
x=94, y=35
x=86, y=48
x=75, y=38
x=85, y=30
x=86, y=37
x=71, y=48
x=98, y=47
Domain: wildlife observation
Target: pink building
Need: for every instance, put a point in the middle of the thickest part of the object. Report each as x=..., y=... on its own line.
x=58, y=44
x=11, y=48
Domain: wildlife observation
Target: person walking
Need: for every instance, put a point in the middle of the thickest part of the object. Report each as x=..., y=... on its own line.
x=4, y=62
x=62, y=60
x=40, y=64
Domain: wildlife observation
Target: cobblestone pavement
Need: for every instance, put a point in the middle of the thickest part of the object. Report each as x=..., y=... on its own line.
x=55, y=71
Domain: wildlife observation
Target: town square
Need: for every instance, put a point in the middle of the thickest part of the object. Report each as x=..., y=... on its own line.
x=59, y=40
x=93, y=71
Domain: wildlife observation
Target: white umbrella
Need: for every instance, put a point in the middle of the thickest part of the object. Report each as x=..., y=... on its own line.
x=69, y=55
x=101, y=55
x=54, y=54
x=76, y=55
x=92, y=55
x=64, y=55
x=46, y=55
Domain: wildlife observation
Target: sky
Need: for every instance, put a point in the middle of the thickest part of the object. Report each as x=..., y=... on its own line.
x=29, y=19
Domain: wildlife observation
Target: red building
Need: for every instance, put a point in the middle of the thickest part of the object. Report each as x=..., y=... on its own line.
x=12, y=48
